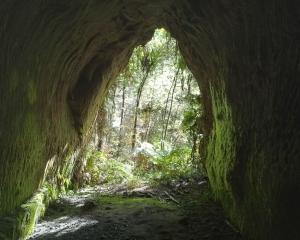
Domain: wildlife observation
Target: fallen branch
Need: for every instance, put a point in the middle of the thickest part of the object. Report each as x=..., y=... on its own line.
x=171, y=197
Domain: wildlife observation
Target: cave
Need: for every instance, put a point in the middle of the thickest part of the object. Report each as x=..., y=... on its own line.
x=59, y=58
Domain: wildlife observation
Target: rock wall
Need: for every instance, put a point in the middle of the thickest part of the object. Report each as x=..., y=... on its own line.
x=58, y=59
x=246, y=58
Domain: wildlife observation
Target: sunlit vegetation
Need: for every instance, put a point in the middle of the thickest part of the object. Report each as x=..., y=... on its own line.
x=150, y=127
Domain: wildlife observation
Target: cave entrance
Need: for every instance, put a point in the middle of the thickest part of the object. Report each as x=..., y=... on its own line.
x=149, y=129
x=142, y=175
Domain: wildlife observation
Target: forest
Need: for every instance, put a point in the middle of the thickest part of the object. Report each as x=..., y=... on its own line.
x=149, y=128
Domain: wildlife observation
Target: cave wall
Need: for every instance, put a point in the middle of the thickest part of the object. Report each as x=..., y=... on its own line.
x=59, y=58
x=246, y=58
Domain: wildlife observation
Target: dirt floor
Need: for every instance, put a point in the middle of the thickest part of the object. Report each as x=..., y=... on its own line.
x=140, y=214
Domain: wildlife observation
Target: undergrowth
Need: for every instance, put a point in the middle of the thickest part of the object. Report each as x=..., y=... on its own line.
x=168, y=168
x=162, y=169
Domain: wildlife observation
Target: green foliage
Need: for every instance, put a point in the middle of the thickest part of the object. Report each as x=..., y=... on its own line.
x=32, y=210
x=104, y=170
x=165, y=169
x=169, y=118
x=133, y=182
x=189, y=119
x=150, y=58
x=181, y=64
x=173, y=166
x=51, y=191
x=192, y=114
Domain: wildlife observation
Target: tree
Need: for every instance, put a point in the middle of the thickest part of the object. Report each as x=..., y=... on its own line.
x=149, y=99
x=148, y=62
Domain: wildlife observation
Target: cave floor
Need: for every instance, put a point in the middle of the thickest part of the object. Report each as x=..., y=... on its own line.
x=136, y=215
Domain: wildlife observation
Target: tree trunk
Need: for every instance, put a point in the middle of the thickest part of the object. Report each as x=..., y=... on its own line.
x=170, y=109
x=165, y=126
x=139, y=94
x=122, y=118
x=111, y=112
x=101, y=123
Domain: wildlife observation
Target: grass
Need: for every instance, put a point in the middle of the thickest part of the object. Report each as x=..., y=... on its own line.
x=132, y=202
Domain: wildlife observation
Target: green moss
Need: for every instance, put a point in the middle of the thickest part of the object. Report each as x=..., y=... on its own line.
x=64, y=172
x=133, y=201
x=28, y=151
x=224, y=170
x=236, y=166
x=51, y=192
x=30, y=147
x=221, y=148
x=30, y=213
x=20, y=224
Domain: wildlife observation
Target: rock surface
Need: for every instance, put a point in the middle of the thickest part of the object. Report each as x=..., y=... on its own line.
x=134, y=218
x=59, y=57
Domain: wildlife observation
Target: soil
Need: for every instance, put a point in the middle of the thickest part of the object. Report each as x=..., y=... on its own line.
x=140, y=214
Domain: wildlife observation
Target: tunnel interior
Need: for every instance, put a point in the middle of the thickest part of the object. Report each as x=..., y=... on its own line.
x=142, y=172
x=60, y=57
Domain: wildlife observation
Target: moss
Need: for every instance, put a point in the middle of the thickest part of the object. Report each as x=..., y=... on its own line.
x=226, y=172
x=29, y=149
x=51, y=192
x=65, y=171
x=246, y=166
x=20, y=224
x=30, y=213
x=221, y=148
x=133, y=201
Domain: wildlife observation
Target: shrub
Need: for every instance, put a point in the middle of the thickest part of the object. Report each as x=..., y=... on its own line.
x=104, y=170
x=173, y=166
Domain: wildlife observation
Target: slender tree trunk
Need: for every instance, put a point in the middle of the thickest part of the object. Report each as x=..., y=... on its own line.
x=101, y=123
x=173, y=124
x=149, y=123
x=165, y=125
x=148, y=127
x=188, y=82
x=170, y=109
x=111, y=112
x=164, y=116
x=137, y=104
x=122, y=119
x=123, y=106
x=194, y=148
